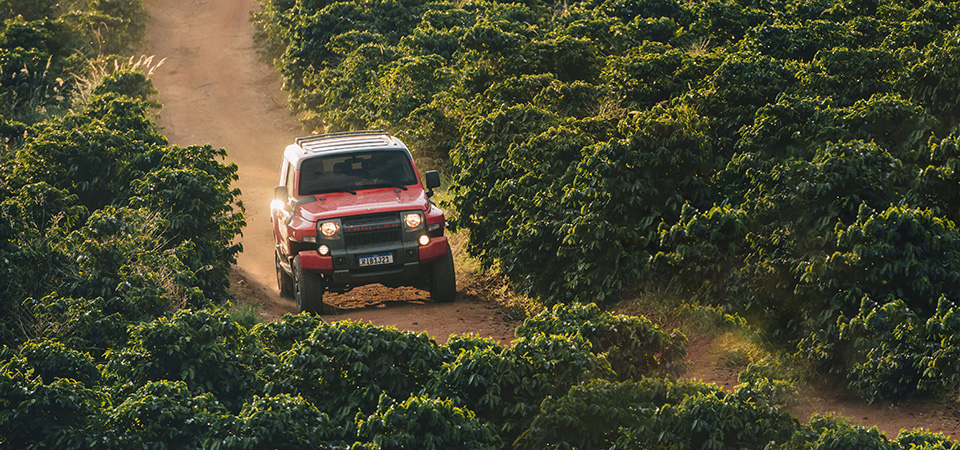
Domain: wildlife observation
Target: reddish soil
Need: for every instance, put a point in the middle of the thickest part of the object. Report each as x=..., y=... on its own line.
x=215, y=90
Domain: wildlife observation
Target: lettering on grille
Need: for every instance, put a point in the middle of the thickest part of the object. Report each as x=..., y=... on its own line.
x=372, y=230
x=371, y=219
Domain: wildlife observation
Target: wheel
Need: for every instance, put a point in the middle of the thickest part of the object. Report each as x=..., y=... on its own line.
x=443, y=279
x=307, y=289
x=284, y=281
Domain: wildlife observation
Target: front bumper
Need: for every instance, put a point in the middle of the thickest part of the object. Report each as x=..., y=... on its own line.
x=344, y=270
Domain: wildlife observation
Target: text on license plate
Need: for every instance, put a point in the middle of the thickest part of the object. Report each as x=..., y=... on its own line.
x=376, y=260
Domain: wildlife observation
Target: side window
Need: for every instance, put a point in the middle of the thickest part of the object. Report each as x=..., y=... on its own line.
x=290, y=175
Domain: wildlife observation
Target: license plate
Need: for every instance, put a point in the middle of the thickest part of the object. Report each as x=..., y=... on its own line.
x=376, y=260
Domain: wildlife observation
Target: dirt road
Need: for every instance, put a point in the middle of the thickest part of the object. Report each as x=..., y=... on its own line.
x=215, y=90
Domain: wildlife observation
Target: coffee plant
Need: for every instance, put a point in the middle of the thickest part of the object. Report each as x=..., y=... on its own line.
x=158, y=412
x=426, y=423
x=592, y=414
x=204, y=349
x=634, y=346
x=346, y=367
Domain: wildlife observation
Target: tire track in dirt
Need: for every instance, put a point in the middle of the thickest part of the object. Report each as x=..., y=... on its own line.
x=215, y=90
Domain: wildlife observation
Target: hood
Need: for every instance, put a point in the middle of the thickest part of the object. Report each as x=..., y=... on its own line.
x=370, y=201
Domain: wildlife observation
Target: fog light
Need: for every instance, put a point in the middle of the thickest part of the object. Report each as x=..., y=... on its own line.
x=324, y=250
x=424, y=240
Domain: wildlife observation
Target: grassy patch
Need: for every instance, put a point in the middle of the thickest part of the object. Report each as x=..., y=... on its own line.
x=736, y=349
x=670, y=310
x=245, y=314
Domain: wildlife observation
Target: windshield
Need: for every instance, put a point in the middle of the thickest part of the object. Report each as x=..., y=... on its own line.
x=355, y=171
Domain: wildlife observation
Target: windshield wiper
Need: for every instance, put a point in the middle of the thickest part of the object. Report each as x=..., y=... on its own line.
x=383, y=185
x=327, y=191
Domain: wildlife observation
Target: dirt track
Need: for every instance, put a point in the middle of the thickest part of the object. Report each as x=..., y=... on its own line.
x=216, y=91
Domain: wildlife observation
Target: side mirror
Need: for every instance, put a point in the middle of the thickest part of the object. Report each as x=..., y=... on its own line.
x=280, y=194
x=433, y=179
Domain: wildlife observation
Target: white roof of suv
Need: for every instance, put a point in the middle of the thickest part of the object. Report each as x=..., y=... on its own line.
x=343, y=141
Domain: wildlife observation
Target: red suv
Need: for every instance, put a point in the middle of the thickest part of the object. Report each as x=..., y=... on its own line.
x=351, y=210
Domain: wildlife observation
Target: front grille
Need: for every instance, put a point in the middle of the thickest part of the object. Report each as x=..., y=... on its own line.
x=372, y=230
x=373, y=238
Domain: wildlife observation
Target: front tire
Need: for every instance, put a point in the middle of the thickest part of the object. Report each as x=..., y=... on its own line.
x=443, y=279
x=307, y=289
x=284, y=281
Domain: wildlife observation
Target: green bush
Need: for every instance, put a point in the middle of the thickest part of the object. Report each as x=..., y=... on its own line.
x=95, y=154
x=474, y=381
x=426, y=423
x=924, y=440
x=36, y=413
x=281, y=335
x=654, y=413
x=593, y=414
x=110, y=155
x=835, y=433
x=204, y=349
x=281, y=421
x=888, y=342
x=458, y=343
x=892, y=353
x=27, y=9
x=936, y=172
x=34, y=60
x=52, y=360
x=621, y=190
x=162, y=414
x=933, y=80
x=653, y=73
x=713, y=421
x=345, y=367
x=791, y=127
x=741, y=84
x=633, y=346
x=831, y=71
x=716, y=239
x=897, y=253
x=199, y=208
x=506, y=386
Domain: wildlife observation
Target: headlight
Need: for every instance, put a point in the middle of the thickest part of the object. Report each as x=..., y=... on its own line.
x=329, y=229
x=412, y=220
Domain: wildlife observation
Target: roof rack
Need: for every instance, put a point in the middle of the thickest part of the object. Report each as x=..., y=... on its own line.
x=341, y=134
